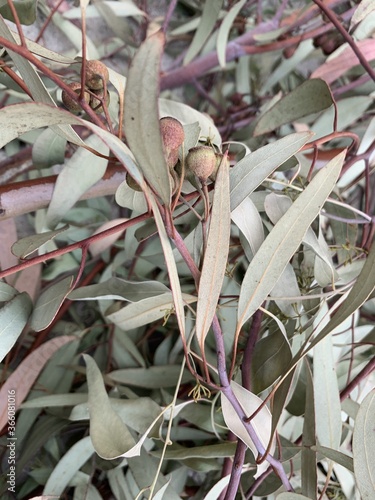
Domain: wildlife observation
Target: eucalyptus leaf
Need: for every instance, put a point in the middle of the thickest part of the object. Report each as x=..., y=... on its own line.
x=68, y=466
x=210, y=14
x=13, y=318
x=119, y=289
x=280, y=245
x=254, y=168
x=80, y=173
x=26, y=11
x=141, y=118
x=146, y=311
x=223, y=34
x=154, y=377
x=326, y=395
x=48, y=149
x=309, y=478
x=312, y=96
x=216, y=254
x=364, y=447
x=26, y=246
x=109, y=435
x=49, y=303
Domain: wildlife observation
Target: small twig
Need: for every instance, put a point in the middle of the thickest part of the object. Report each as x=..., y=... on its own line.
x=362, y=375
x=73, y=246
x=17, y=79
x=24, y=52
x=168, y=15
x=48, y=20
x=17, y=23
x=338, y=25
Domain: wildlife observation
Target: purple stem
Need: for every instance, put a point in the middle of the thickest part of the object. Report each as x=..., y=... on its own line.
x=222, y=370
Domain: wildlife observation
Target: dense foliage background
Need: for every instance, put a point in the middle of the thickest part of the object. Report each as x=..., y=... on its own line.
x=169, y=331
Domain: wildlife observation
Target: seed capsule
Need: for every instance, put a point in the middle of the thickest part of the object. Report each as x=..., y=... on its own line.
x=173, y=135
x=72, y=105
x=96, y=104
x=96, y=74
x=201, y=160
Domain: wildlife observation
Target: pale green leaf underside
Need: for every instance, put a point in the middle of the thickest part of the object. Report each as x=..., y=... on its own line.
x=141, y=119
x=109, y=435
x=146, y=311
x=284, y=239
x=26, y=246
x=119, y=289
x=13, y=318
x=49, y=302
x=68, y=466
x=215, y=257
x=252, y=170
x=364, y=447
x=311, y=97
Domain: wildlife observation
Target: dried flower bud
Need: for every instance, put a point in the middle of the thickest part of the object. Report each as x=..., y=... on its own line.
x=72, y=105
x=173, y=135
x=201, y=160
x=96, y=74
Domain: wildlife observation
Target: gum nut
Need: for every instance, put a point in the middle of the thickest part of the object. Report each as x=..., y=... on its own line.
x=201, y=160
x=96, y=104
x=96, y=74
x=72, y=105
x=172, y=133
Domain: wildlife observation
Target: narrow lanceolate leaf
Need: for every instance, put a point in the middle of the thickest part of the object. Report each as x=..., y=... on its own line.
x=252, y=170
x=13, y=318
x=174, y=280
x=226, y=25
x=262, y=422
x=326, y=395
x=216, y=254
x=364, y=447
x=210, y=15
x=141, y=119
x=362, y=289
x=311, y=97
x=309, y=477
x=68, y=467
x=49, y=303
x=26, y=246
x=146, y=311
x=284, y=239
x=109, y=435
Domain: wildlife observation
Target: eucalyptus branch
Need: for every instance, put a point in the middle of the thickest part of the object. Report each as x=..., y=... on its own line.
x=25, y=52
x=350, y=40
x=362, y=375
x=73, y=246
x=37, y=193
x=226, y=388
x=239, y=47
